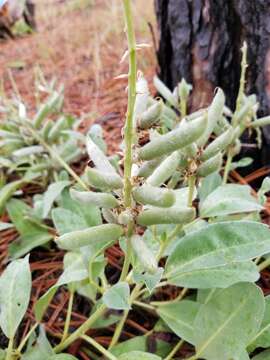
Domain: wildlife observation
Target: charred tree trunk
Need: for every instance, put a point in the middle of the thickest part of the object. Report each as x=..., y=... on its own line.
x=201, y=41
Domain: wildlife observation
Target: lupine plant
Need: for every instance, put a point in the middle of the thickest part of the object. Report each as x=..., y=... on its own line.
x=179, y=224
x=35, y=149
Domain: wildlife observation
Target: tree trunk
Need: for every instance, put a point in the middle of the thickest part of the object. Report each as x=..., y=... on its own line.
x=201, y=41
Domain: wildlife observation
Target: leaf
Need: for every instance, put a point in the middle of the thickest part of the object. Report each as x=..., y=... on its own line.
x=117, y=297
x=229, y=199
x=32, y=234
x=265, y=187
x=100, y=160
x=15, y=289
x=180, y=316
x=209, y=184
x=150, y=280
x=265, y=355
x=5, y=226
x=162, y=348
x=2, y=354
x=224, y=325
x=139, y=355
x=216, y=256
x=262, y=338
x=66, y=221
x=62, y=357
x=246, y=161
x=76, y=271
x=42, y=348
x=54, y=190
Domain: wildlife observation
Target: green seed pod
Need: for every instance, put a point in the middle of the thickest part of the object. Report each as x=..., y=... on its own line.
x=164, y=91
x=173, y=215
x=215, y=112
x=264, y=121
x=176, y=139
x=46, y=129
x=218, y=145
x=101, y=180
x=221, y=126
x=155, y=196
x=144, y=254
x=109, y=216
x=47, y=108
x=196, y=114
x=70, y=158
x=9, y=135
x=27, y=151
x=165, y=170
x=151, y=116
x=212, y=165
x=148, y=167
x=125, y=217
x=236, y=148
x=245, y=110
x=169, y=113
x=190, y=151
x=58, y=126
x=103, y=200
x=92, y=235
x=11, y=144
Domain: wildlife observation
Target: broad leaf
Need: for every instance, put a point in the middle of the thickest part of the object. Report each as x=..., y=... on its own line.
x=67, y=221
x=224, y=325
x=54, y=190
x=41, y=349
x=150, y=280
x=180, y=316
x=265, y=355
x=139, y=355
x=262, y=338
x=208, y=185
x=265, y=188
x=31, y=234
x=15, y=290
x=117, y=297
x=76, y=271
x=216, y=256
x=229, y=199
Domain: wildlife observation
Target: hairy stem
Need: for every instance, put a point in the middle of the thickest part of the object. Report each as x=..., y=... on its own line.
x=9, y=355
x=68, y=317
x=191, y=189
x=24, y=341
x=99, y=347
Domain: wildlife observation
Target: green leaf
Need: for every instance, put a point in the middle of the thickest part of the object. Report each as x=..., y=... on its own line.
x=117, y=297
x=216, y=256
x=180, y=316
x=229, y=199
x=66, y=221
x=139, y=355
x=265, y=355
x=262, y=338
x=62, y=357
x=150, y=280
x=209, y=184
x=15, y=290
x=246, y=161
x=265, y=187
x=228, y=321
x=42, y=348
x=74, y=272
x=32, y=234
x=54, y=190
x=162, y=348
x=2, y=354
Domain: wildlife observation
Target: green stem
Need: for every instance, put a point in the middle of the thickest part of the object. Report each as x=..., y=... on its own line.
x=99, y=347
x=227, y=168
x=191, y=189
x=24, y=341
x=127, y=260
x=68, y=317
x=144, y=305
x=9, y=355
x=174, y=350
x=81, y=330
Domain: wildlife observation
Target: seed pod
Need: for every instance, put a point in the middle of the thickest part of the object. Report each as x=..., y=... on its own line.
x=173, y=215
x=144, y=254
x=169, y=113
x=100, y=160
x=47, y=108
x=148, y=167
x=215, y=112
x=196, y=114
x=46, y=129
x=151, y=116
x=190, y=151
x=176, y=139
x=212, y=165
x=164, y=91
x=155, y=196
x=165, y=170
x=27, y=151
x=109, y=216
x=103, y=200
x=244, y=110
x=125, y=217
x=9, y=135
x=70, y=158
x=11, y=144
x=264, y=121
x=221, y=126
x=102, y=180
x=58, y=126
x=218, y=145
x=92, y=235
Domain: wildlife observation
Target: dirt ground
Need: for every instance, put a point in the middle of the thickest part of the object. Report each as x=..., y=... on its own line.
x=81, y=42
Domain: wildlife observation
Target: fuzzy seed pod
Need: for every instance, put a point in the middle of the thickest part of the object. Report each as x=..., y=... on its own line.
x=47, y=108
x=102, y=180
x=102, y=200
x=27, y=151
x=148, y=167
x=211, y=165
x=218, y=145
x=173, y=215
x=58, y=126
x=125, y=217
x=155, y=196
x=80, y=238
x=151, y=116
x=176, y=139
x=46, y=129
x=165, y=170
x=144, y=254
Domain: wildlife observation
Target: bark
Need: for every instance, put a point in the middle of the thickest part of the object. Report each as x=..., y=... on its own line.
x=200, y=40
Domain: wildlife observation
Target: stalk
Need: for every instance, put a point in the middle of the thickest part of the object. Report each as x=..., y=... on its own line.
x=9, y=355
x=128, y=129
x=174, y=350
x=68, y=317
x=100, y=348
